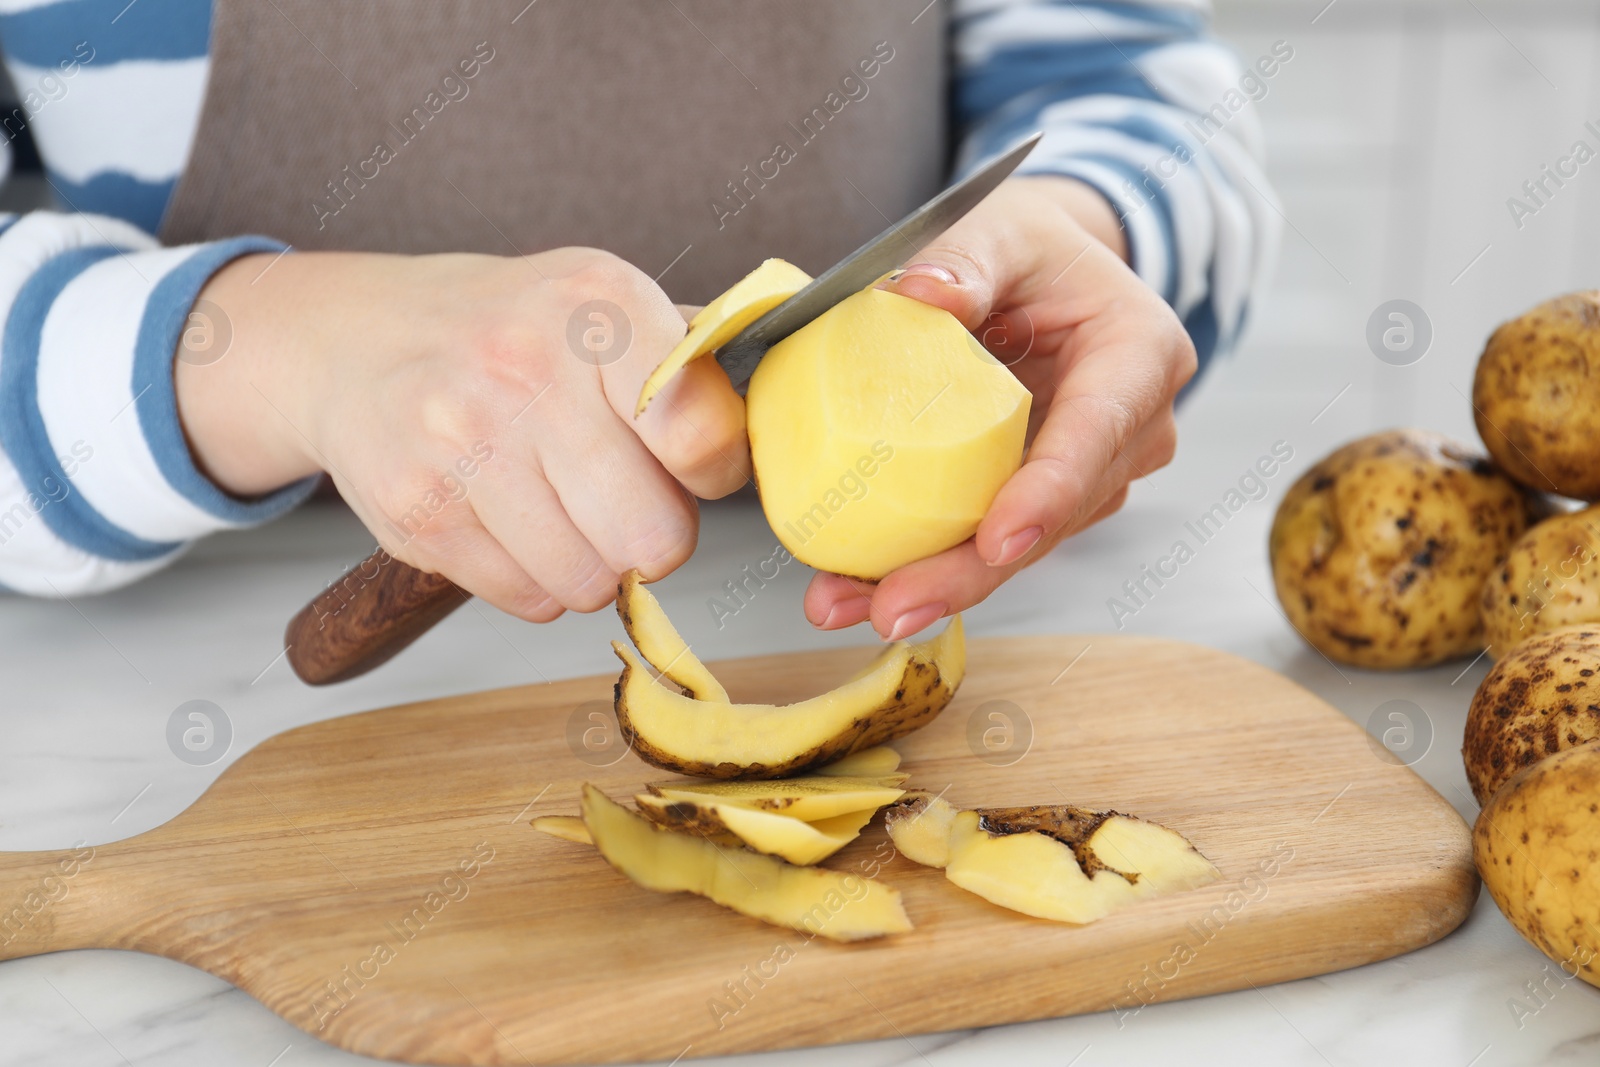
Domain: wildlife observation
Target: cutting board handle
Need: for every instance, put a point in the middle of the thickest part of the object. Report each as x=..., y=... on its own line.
x=359, y=622
x=48, y=901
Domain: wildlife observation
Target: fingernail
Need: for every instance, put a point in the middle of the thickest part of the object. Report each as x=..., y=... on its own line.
x=928, y=270
x=916, y=619
x=1017, y=545
x=844, y=613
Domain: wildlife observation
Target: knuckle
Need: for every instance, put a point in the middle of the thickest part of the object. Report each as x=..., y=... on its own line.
x=1066, y=483
x=597, y=272
x=452, y=419
x=1164, y=445
x=1120, y=415
x=405, y=550
x=592, y=587
x=616, y=309
x=433, y=543
x=401, y=503
x=725, y=480
x=534, y=604
x=426, y=510
x=666, y=543
x=693, y=448
x=388, y=501
x=1128, y=416
x=1186, y=363
x=507, y=355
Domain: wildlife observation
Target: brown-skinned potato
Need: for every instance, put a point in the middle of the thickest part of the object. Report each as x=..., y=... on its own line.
x=1535, y=845
x=1550, y=578
x=1380, y=552
x=1540, y=699
x=1536, y=396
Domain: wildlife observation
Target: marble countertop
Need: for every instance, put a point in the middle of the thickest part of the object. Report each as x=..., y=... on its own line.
x=89, y=687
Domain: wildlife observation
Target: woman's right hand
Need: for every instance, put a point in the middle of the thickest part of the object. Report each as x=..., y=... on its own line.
x=475, y=411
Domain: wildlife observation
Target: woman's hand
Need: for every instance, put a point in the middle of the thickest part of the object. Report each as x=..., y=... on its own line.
x=1036, y=273
x=475, y=411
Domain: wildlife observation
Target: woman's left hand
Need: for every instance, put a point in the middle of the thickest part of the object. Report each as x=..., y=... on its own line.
x=1036, y=272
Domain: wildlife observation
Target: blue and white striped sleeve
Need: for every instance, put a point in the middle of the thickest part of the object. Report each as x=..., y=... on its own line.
x=1136, y=100
x=97, y=485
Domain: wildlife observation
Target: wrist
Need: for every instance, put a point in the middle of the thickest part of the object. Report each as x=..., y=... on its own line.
x=225, y=370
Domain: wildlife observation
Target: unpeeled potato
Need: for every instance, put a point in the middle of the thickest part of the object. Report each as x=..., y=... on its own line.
x=1379, y=552
x=1536, y=396
x=1535, y=846
x=1540, y=699
x=1550, y=578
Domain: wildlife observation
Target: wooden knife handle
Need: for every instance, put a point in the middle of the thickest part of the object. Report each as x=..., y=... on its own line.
x=359, y=622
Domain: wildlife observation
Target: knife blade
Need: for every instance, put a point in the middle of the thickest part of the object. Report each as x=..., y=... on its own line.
x=892, y=248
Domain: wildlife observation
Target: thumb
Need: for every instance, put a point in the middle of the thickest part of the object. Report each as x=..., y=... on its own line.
x=959, y=281
x=974, y=265
x=984, y=259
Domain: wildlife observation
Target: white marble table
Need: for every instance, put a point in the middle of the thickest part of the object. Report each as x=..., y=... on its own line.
x=89, y=687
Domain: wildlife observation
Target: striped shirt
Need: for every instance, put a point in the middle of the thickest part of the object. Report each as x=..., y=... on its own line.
x=97, y=486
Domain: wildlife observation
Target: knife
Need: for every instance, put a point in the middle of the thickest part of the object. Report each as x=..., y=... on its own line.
x=890, y=249
x=381, y=605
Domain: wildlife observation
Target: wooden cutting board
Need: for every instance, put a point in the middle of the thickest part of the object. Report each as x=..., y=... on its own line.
x=374, y=880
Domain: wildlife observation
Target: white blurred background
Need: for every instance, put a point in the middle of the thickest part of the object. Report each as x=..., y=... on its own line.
x=1396, y=135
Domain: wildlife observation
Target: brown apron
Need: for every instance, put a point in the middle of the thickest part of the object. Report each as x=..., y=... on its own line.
x=691, y=137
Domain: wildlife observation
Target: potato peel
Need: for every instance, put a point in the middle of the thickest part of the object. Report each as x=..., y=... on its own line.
x=799, y=842
x=565, y=827
x=832, y=904
x=868, y=763
x=907, y=688
x=808, y=798
x=721, y=320
x=1056, y=862
x=659, y=642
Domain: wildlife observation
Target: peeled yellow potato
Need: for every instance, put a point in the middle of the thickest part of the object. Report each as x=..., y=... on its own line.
x=880, y=434
x=1535, y=845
